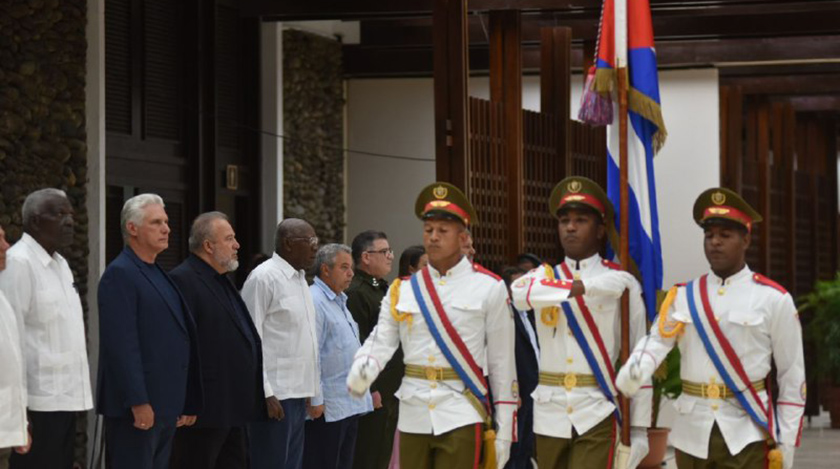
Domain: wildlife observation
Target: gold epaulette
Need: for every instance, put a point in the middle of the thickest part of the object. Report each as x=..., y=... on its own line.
x=394, y=294
x=669, y=328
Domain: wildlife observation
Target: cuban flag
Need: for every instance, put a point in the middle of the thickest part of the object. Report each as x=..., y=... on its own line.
x=626, y=39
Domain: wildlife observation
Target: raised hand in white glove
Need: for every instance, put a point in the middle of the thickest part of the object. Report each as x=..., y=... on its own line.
x=638, y=446
x=634, y=373
x=362, y=375
x=502, y=453
x=611, y=284
x=787, y=455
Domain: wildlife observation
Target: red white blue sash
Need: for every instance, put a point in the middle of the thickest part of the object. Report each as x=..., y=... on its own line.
x=589, y=339
x=446, y=337
x=723, y=356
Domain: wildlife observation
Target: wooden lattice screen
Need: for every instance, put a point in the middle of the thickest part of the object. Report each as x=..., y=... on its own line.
x=543, y=168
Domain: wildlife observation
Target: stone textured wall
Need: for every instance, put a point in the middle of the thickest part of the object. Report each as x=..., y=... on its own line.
x=313, y=110
x=42, y=117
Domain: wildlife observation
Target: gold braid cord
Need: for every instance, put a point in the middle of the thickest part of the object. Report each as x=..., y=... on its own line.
x=394, y=294
x=549, y=316
x=669, y=328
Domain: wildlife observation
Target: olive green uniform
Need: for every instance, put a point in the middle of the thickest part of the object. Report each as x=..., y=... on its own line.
x=376, y=429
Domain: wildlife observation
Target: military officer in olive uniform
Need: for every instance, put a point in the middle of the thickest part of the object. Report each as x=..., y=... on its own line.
x=451, y=310
x=578, y=310
x=373, y=258
x=729, y=323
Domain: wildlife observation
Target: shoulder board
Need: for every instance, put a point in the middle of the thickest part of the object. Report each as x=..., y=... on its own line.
x=479, y=268
x=611, y=265
x=770, y=283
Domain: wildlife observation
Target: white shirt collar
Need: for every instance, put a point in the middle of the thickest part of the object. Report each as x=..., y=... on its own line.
x=285, y=267
x=743, y=274
x=40, y=253
x=462, y=266
x=584, y=264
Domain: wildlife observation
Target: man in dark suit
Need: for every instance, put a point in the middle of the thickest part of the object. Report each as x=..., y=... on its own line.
x=527, y=372
x=149, y=379
x=231, y=351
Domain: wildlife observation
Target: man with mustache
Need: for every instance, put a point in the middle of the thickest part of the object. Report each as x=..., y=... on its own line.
x=577, y=306
x=453, y=323
x=728, y=324
x=40, y=287
x=230, y=350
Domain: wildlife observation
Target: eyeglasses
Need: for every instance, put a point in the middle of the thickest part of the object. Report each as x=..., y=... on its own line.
x=384, y=252
x=313, y=240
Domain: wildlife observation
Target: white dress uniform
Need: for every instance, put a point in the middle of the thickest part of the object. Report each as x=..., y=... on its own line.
x=558, y=411
x=760, y=321
x=477, y=304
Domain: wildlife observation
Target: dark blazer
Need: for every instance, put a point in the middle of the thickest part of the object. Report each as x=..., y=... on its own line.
x=231, y=372
x=148, y=354
x=527, y=374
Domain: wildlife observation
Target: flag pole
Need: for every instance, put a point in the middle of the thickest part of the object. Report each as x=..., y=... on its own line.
x=624, y=197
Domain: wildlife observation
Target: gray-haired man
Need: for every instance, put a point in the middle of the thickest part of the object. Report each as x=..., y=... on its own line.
x=331, y=435
x=149, y=379
x=40, y=287
x=231, y=351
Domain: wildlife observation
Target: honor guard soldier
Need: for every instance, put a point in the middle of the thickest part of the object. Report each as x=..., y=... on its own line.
x=577, y=305
x=455, y=327
x=728, y=323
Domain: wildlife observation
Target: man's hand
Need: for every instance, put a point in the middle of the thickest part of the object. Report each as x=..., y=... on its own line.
x=315, y=411
x=377, y=399
x=25, y=448
x=275, y=409
x=634, y=373
x=361, y=376
x=144, y=416
x=185, y=420
x=577, y=289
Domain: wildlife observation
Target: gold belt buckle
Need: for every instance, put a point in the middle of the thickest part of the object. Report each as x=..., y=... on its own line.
x=570, y=381
x=432, y=373
x=712, y=390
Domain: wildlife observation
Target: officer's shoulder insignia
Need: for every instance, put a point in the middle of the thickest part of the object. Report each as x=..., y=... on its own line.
x=520, y=283
x=760, y=279
x=481, y=269
x=610, y=264
x=556, y=283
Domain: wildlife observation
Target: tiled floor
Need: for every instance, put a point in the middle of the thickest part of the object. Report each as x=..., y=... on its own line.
x=820, y=447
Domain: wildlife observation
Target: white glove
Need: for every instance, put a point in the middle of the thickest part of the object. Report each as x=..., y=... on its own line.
x=362, y=375
x=634, y=373
x=787, y=455
x=611, y=284
x=502, y=453
x=638, y=445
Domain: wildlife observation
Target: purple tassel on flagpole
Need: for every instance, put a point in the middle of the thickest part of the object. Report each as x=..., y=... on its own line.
x=596, y=108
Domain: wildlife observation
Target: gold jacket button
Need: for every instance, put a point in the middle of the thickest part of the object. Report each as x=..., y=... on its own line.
x=714, y=407
x=431, y=407
x=431, y=358
x=569, y=409
x=569, y=360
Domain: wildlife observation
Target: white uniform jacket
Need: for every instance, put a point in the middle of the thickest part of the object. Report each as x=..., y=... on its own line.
x=476, y=302
x=558, y=411
x=760, y=321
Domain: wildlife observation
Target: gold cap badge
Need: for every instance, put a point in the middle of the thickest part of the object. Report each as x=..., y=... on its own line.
x=440, y=192
x=574, y=186
x=718, y=198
